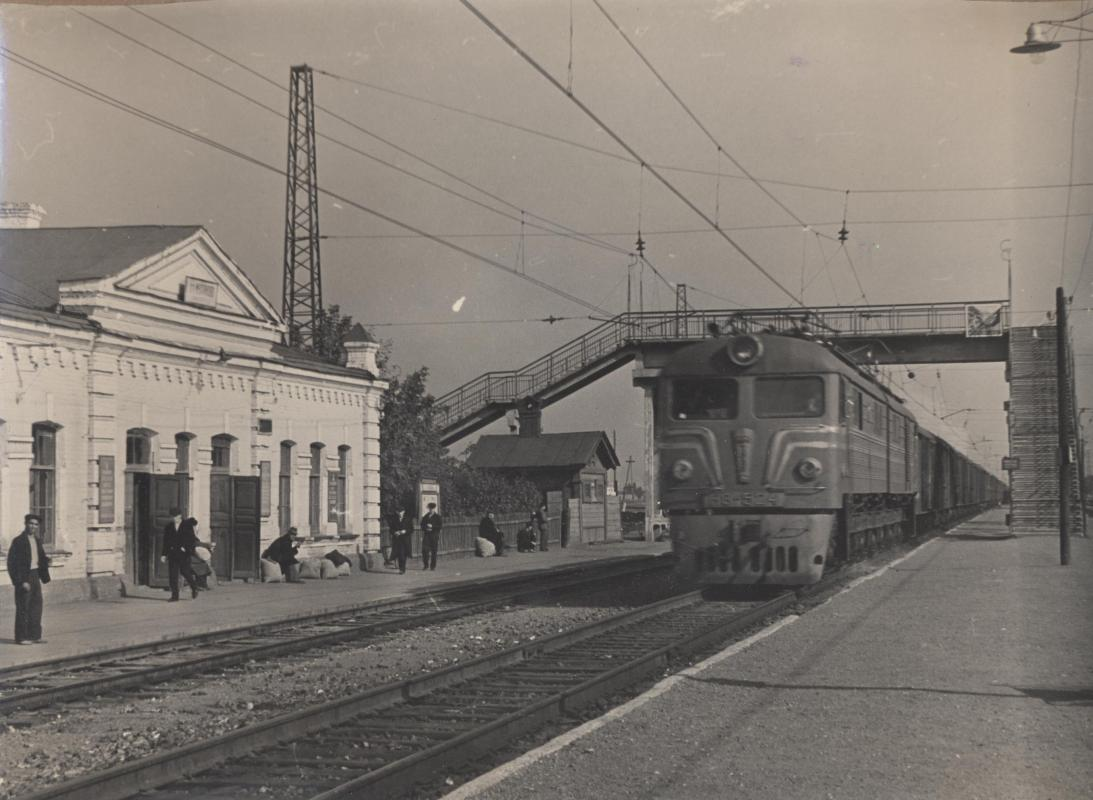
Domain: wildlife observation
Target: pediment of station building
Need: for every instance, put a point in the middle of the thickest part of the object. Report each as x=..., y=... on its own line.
x=198, y=274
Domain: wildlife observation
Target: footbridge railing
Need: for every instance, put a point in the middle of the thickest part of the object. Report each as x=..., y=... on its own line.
x=615, y=341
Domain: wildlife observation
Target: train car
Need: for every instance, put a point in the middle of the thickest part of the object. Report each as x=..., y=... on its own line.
x=777, y=456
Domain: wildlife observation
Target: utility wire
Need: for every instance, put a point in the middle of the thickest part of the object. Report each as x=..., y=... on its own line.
x=661, y=166
x=667, y=86
x=607, y=129
x=569, y=233
x=549, y=320
x=95, y=94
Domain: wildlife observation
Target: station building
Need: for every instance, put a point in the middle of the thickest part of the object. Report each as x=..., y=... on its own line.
x=141, y=369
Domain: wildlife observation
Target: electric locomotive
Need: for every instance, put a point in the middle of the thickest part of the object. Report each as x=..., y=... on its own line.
x=776, y=456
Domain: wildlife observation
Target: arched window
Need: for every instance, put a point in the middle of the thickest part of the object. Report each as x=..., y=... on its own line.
x=43, y=478
x=284, y=486
x=314, y=488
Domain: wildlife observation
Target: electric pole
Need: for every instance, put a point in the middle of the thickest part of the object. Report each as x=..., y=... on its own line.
x=302, y=294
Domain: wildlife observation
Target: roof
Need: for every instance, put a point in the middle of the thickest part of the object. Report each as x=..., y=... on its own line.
x=33, y=260
x=543, y=451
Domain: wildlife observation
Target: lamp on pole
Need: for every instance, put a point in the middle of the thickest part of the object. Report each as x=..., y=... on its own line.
x=1041, y=37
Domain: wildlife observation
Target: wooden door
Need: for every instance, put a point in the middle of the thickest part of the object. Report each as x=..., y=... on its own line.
x=220, y=523
x=153, y=498
x=245, y=526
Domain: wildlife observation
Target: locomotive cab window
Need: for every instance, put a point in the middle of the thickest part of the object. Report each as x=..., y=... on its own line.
x=704, y=398
x=789, y=397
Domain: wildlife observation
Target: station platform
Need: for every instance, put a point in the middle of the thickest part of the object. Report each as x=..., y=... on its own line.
x=962, y=670
x=145, y=615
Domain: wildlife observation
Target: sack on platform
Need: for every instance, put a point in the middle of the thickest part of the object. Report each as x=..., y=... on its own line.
x=345, y=568
x=484, y=547
x=336, y=557
x=311, y=568
x=327, y=568
x=271, y=572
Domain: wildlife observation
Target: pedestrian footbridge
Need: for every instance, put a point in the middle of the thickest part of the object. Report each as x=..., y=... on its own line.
x=892, y=334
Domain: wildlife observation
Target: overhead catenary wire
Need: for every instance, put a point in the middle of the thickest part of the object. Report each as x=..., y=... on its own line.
x=694, y=118
x=565, y=231
x=58, y=77
x=610, y=132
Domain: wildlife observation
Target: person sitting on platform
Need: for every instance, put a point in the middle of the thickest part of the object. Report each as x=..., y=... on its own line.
x=283, y=550
x=525, y=539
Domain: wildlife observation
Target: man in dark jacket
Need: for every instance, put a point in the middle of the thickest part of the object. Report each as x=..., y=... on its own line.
x=179, y=544
x=283, y=550
x=28, y=568
x=487, y=529
x=431, y=524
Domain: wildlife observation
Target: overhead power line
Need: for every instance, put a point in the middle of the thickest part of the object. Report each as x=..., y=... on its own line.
x=667, y=167
x=95, y=94
x=610, y=132
x=562, y=230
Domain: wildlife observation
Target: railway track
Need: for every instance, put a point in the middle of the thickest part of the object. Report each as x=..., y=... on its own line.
x=35, y=686
x=381, y=742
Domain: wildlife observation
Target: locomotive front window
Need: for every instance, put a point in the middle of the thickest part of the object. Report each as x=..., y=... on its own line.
x=789, y=397
x=704, y=398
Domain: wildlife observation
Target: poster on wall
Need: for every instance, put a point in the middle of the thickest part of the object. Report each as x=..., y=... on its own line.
x=106, y=489
x=428, y=491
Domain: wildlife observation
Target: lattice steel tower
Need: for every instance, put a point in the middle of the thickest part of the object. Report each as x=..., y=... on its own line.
x=302, y=295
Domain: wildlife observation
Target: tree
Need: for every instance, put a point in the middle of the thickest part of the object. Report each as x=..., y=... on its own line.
x=410, y=447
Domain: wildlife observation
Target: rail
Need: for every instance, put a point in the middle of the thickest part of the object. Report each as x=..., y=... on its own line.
x=617, y=337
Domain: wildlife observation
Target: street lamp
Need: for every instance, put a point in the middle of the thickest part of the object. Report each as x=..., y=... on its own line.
x=1041, y=36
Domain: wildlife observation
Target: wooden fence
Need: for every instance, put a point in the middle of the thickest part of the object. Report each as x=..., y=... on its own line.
x=458, y=534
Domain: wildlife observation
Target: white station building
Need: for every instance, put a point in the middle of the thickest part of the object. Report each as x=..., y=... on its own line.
x=141, y=369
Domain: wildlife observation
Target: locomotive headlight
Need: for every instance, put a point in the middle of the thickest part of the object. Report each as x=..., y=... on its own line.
x=809, y=469
x=682, y=469
x=744, y=350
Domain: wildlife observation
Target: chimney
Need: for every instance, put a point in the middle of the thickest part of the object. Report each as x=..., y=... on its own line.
x=21, y=215
x=361, y=349
x=530, y=412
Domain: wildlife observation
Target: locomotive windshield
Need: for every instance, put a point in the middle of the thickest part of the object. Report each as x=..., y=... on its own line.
x=789, y=397
x=704, y=398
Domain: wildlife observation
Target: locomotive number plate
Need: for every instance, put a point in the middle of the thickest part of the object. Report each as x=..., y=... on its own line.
x=723, y=499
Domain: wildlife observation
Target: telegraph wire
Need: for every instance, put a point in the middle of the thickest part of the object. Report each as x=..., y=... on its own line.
x=661, y=166
x=95, y=94
x=610, y=132
x=574, y=235
x=694, y=118
x=549, y=320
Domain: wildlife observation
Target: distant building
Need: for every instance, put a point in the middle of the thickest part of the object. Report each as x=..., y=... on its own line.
x=571, y=469
x=140, y=369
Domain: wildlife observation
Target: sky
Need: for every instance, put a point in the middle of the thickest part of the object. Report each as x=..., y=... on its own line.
x=949, y=158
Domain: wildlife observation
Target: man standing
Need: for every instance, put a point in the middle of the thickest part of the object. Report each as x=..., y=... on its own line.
x=179, y=543
x=541, y=524
x=28, y=568
x=400, y=539
x=487, y=529
x=430, y=537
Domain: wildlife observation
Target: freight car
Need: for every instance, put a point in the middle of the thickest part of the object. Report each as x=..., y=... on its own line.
x=779, y=456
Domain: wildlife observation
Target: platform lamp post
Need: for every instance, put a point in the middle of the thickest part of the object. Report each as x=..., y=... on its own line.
x=1041, y=37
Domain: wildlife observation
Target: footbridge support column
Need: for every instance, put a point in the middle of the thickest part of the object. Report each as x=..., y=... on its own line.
x=645, y=377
